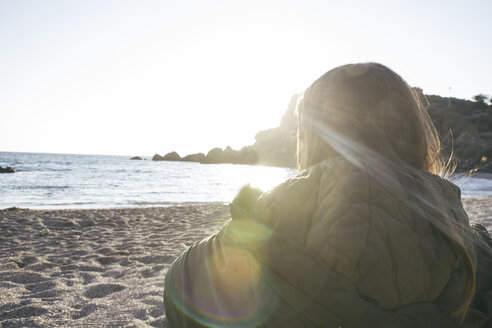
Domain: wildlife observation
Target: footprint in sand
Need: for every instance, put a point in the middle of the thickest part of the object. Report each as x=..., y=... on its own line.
x=78, y=254
x=88, y=278
x=103, y=290
x=115, y=274
x=157, y=312
x=125, y=262
x=105, y=260
x=47, y=295
x=105, y=250
x=85, y=311
x=26, y=261
x=27, y=278
x=12, y=306
x=141, y=314
x=155, y=259
x=41, y=266
x=159, y=323
x=78, y=268
x=41, y=287
x=24, y=312
x=147, y=273
x=159, y=267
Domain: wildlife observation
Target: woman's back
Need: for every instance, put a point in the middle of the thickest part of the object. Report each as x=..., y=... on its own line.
x=328, y=248
x=365, y=236
x=379, y=237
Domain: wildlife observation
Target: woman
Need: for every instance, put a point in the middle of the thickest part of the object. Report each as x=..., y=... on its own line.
x=366, y=235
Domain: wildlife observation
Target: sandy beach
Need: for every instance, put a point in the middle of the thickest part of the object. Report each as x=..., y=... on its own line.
x=95, y=268
x=106, y=267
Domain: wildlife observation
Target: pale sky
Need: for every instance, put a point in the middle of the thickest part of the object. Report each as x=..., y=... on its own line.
x=144, y=77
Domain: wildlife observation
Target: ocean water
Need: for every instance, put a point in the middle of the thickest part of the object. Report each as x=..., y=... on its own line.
x=94, y=181
x=54, y=181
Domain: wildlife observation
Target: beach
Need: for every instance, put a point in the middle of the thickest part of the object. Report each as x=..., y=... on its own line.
x=95, y=268
x=106, y=267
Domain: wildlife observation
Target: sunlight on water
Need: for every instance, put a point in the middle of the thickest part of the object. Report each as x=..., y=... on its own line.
x=88, y=181
x=261, y=177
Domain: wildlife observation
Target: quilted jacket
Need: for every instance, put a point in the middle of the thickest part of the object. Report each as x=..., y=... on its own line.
x=335, y=246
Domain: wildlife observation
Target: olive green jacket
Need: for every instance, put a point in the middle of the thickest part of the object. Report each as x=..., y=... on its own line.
x=336, y=246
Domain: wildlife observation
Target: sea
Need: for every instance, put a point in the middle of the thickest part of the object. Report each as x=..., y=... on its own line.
x=67, y=181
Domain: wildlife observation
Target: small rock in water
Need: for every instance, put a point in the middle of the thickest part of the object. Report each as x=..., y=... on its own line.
x=7, y=169
x=11, y=209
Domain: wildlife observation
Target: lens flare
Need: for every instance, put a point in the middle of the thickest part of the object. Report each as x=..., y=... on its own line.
x=226, y=285
x=248, y=233
x=235, y=271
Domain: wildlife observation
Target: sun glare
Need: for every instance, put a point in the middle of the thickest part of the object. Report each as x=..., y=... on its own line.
x=266, y=178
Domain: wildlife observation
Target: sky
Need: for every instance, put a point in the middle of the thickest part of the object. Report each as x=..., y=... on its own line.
x=144, y=77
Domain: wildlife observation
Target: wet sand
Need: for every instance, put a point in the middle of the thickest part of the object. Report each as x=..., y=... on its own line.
x=106, y=267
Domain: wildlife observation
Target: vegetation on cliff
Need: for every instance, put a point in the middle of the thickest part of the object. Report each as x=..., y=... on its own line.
x=465, y=128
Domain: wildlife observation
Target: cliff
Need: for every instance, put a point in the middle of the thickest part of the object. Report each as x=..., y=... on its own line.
x=272, y=147
x=465, y=128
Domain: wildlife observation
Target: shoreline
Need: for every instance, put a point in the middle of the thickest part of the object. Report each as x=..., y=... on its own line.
x=477, y=175
x=106, y=267
x=464, y=199
x=16, y=208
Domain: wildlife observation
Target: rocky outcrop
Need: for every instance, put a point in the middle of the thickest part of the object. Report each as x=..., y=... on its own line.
x=136, y=158
x=157, y=157
x=244, y=156
x=273, y=147
x=277, y=146
x=215, y=156
x=200, y=157
x=465, y=134
x=172, y=156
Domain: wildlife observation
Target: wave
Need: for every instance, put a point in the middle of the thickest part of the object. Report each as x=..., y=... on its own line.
x=37, y=187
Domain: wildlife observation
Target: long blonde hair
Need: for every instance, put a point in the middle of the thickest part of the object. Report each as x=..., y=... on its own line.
x=368, y=114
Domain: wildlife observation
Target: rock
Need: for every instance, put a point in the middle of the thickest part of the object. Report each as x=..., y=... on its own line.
x=247, y=155
x=194, y=158
x=215, y=156
x=137, y=158
x=172, y=156
x=7, y=169
x=157, y=157
x=11, y=209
